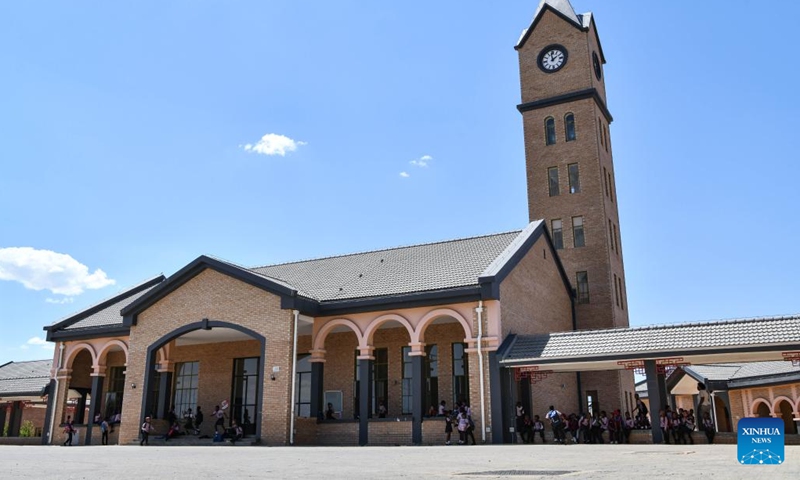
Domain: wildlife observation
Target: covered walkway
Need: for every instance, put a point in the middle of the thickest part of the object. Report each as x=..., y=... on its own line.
x=654, y=350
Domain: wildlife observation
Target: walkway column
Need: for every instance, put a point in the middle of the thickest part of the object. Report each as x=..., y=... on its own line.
x=3, y=409
x=317, y=383
x=15, y=420
x=657, y=394
x=365, y=362
x=417, y=355
x=80, y=409
x=98, y=375
x=164, y=394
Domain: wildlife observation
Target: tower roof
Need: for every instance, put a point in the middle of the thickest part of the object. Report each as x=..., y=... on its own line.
x=561, y=6
x=563, y=9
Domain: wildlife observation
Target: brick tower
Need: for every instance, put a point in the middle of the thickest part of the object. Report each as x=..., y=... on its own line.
x=570, y=173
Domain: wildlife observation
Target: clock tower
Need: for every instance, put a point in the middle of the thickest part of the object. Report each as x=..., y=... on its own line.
x=570, y=174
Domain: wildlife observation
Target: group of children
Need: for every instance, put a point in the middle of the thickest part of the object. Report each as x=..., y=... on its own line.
x=459, y=418
x=191, y=423
x=680, y=424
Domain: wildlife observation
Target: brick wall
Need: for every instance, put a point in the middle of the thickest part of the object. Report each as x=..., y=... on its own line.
x=216, y=296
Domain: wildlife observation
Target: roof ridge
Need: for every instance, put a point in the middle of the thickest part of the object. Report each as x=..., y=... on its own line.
x=106, y=299
x=452, y=240
x=26, y=361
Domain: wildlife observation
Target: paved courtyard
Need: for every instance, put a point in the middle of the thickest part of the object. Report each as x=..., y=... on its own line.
x=482, y=462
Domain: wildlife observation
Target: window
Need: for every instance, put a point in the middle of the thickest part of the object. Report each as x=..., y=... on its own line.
x=558, y=234
x=605, y=136
x=552, y=180
x=592, y=402
x=185, y=387
x=605, y=179
x=407, y=394
x=302, y=406
x=600, y=130
x=379, y=390
x=610, y=187
x=460, y=374
x=569, y=127
x=616, y=241
x=582, y=280
x=574, y=178
x=610, y=235
x=116, y=387
x=616, y=289
x=432, y=376
x=244, y=390
x=549, y=131
x=621, y=294
x=578, y=238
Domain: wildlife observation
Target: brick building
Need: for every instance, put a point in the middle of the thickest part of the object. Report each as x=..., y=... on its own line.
x=395, y=331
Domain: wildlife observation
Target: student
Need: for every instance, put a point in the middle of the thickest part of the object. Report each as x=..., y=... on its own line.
x=519, y=419
x=198, y=420
x=641, y=411
x=381, y=410
x=538, y=427
x=688, y=426
x=708, y=427
x=470, y=425
x=329, y=413
x=596, y=430
x=603, y=425
x=664, y=423
x=527, y=429
x=104, y=427
x=442, y=408
x=463, y=424
x=220, y=416
x=584, y=424
x=557, y=423
x=627, y=427
x=237, y=432
x=572, y=426
x=69, y=429
x=145, y=431
x=448, y=428
x=173, y=431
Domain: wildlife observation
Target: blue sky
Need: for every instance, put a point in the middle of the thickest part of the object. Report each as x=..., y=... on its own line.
x=124, y=127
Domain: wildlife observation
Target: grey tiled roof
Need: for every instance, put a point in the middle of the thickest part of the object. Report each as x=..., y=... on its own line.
x=663, y=338
x=417, y=268
x=742, y=371
x=564, y=8
x=109, y=316
x=24, y=378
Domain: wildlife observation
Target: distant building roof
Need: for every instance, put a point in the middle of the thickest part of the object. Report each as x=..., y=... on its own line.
x=741, y=375
x=652, y=341
x=24, y=379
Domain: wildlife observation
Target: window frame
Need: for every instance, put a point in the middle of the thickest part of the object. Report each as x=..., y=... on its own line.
x=582, y=287
x=576, y=229
x=570, y=134
x=574, y=187
x=558, y=233
x=553, y=189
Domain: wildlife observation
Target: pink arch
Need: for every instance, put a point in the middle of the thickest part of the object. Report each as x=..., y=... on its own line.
x=776, y=404
x=322, y=334
x=75, y=349
x=419, y=334
x=754, y=405
x=375, y=324
x=101, y=357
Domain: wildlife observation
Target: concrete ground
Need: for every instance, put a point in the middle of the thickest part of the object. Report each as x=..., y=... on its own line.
x=453, y=462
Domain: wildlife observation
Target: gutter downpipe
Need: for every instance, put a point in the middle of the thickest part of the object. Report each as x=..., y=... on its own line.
x=296, y=314
x=479, y=311
x=55, y=393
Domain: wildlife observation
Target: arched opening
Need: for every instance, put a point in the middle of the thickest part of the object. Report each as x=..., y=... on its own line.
x=569, y=127
x=549, y=131
x=209, y=364
x=786, y=413
x=761, y=409
x=723, y=415
x=340, y=340
x=444, y=333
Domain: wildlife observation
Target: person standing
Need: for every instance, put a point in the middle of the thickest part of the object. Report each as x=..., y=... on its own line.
x=708, y=427
x=220, y=416
x=557, y=423
x=69, y=429
x=198, y=420
x=538, y=428
x=146, y=429
x=520, y=417
x=104, y=429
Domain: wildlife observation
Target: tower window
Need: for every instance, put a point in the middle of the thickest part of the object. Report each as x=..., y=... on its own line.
x=574, y=178
x=577, y=232
x=582, y=280
x=605, y=179
x=616, y=289
x=552, y=179
x=616, y=240
x=549, y=131
x=569, y=126
x=610, y=235
x=610, y=188
x=600, y=131
x=558, y=234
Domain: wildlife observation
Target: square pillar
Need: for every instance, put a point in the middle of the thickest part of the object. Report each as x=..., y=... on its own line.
x=657, y=394
x=417, y=395
x=365, y=391
x=94, y=408
x=496, y=394
x=317, y=382
x=15, y=420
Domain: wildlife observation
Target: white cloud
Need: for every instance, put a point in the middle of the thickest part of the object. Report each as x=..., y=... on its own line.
x=48, y=270
x=273, y=144
x=36, y=341
x=421, y=161
x=404, y=174
x=60, y=301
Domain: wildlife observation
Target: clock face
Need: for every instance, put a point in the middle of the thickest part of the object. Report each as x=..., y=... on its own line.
x=552, y=58
x=596, y=62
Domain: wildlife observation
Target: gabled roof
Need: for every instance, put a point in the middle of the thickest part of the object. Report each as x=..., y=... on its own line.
x=101, y=317
x=395, y=271
x=18, y=379
x=654, y=341
x=740, y=375
x=452, y=271
x=563, y=9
